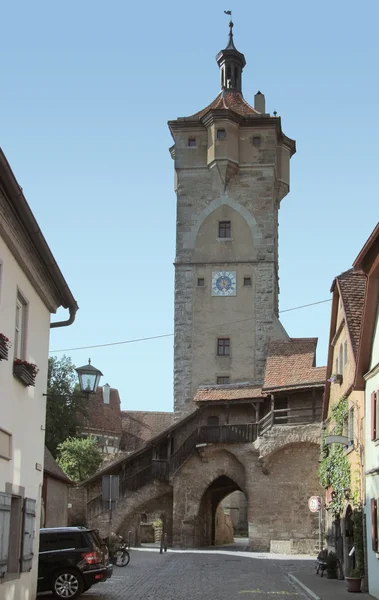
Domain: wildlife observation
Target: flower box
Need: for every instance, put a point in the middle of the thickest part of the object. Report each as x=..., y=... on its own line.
x=25, y=372
x=4, y=346
x=336, y=378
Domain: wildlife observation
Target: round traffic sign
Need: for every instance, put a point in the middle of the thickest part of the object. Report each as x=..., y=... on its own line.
x=314, y=503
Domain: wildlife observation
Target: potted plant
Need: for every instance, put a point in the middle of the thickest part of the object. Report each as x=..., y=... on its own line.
x=331, y=565
x=5, y=344
x=25, y=371
x=354, y=580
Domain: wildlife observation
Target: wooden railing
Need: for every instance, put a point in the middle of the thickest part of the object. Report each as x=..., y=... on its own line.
x=160, y=469
x=289, y=416
x=228, y=434
x=183, y=452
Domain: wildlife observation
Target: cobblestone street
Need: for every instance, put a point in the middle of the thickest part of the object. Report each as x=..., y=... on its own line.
x=187, y=576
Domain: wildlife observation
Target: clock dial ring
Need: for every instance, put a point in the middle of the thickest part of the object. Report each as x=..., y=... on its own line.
x=224, y=283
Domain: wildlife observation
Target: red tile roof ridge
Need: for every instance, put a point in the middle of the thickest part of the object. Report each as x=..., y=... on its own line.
x=227, y=100
x=227, y=386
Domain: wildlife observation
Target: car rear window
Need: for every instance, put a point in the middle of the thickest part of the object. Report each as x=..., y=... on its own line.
x=95, y=539
x=61, y=541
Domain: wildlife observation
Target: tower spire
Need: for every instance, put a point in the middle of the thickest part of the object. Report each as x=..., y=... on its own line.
x=230, y=45
x=231, y=62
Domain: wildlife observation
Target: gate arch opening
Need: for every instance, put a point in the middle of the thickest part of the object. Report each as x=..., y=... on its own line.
x=212, y=517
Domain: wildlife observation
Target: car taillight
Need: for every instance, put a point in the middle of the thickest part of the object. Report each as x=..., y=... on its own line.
x=92, y=558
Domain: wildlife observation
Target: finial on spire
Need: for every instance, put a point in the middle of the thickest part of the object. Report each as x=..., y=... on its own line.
x=231, y=25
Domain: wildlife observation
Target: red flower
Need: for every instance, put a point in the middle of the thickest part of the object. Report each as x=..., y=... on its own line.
x=32, y=367
x=5, y=340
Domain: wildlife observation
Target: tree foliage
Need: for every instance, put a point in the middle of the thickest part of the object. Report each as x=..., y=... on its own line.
x=79, y=458
x=64, y=413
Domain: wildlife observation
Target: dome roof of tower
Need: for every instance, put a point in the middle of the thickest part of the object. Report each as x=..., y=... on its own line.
x=229, y=100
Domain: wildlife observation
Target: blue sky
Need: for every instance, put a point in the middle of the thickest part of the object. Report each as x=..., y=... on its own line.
x=86, y=91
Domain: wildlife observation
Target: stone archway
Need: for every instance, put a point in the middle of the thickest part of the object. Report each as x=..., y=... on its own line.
x=204, y=480
x=219, y=489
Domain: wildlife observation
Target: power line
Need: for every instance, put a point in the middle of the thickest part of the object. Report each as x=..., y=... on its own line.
x=164, y=335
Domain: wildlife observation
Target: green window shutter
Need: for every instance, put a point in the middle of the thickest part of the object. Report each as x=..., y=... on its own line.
x=5, y=522
x=28, y=534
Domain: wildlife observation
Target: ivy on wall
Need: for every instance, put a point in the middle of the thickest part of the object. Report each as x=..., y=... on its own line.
x=334, y=470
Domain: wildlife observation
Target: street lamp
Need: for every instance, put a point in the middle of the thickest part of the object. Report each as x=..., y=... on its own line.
x=89, y=378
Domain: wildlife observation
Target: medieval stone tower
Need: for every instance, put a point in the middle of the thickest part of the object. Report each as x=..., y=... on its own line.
x=232, y=170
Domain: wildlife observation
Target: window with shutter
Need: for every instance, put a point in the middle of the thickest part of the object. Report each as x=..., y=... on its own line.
x=5, y=522
x=28, y=534
x=374, y=523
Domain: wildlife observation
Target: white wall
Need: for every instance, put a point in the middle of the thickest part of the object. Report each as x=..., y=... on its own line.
x=371, y=462
x=22, y=409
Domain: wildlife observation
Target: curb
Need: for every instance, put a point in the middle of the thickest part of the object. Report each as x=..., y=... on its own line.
x=303, y=587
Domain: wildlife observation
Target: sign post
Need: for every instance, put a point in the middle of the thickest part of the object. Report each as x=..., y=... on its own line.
x=315, y=505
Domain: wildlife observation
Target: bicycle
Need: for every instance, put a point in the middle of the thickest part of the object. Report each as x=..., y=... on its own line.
x=121, y=557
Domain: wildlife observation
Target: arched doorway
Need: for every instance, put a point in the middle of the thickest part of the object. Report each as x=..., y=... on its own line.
x=348, y=540
x=210, y=518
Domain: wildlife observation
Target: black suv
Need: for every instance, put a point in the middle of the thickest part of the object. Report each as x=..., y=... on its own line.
x=71, y=560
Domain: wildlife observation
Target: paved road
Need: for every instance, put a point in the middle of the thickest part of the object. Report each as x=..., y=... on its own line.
x=187, y=576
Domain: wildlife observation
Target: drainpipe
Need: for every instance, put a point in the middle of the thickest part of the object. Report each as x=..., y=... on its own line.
x=73, y=310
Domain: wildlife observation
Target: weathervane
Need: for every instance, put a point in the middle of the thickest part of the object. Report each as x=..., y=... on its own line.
x=229, y=12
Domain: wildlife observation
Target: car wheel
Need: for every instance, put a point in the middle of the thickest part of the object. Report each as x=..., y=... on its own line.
x=67, y=584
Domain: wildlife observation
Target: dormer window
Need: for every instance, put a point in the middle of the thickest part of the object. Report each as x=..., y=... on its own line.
x=192, y=142
x=221, y=134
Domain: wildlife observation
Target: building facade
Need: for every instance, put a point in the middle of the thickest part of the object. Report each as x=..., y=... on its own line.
x=31, y=289
x=367, y=379
x=231, y=172
x=343, y=416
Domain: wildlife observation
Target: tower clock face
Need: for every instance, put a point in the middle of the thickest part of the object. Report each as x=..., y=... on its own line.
x=224, y=283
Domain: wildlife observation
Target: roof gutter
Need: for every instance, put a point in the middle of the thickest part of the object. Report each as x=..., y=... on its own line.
x=27, y=219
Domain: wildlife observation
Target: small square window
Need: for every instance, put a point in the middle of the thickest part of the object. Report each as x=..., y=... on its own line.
x=247, y=281
x=223, y=379
x=223, y=347
x=256, y=140
x=221, y=134
x=192, y=142
x=224, y=229
x=201, y=282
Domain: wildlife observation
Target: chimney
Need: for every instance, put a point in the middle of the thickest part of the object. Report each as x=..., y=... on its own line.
x=260, y=103
x=106, y=393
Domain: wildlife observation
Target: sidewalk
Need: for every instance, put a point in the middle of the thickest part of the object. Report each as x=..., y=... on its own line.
x=321, y=588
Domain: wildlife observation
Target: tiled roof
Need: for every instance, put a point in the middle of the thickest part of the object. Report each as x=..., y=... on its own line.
x=140, y=426
x=51, y=467
x=101, y=416
x=230, y=100
x=352, y=286
x=290, y=365
x=227, y=392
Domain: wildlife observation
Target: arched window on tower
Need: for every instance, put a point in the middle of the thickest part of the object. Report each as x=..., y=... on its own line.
x=228, y=76
x=235, y=77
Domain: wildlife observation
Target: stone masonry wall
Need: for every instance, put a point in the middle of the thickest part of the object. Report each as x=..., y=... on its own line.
x=249, y=200
x=277, y=491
